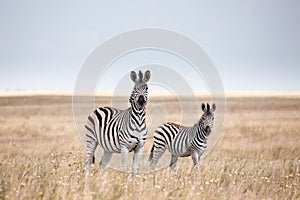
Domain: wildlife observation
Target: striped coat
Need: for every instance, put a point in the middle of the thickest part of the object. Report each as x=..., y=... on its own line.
x=182, y=141
x=119, y=131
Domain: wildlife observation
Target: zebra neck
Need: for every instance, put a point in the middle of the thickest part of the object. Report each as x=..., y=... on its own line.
x=137, y=117
x=199, y=131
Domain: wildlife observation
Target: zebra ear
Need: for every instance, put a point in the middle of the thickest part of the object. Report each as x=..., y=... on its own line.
x=213, y=107
x=146, y=76
x=133, y=76
x=203, y=107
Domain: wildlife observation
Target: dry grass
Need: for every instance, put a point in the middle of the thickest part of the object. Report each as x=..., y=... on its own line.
x=258, y=156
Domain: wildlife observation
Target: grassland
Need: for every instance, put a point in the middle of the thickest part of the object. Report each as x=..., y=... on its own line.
x=257, y=157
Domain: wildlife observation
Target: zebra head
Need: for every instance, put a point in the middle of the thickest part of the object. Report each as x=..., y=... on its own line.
x=207, y=118
x=139, y=95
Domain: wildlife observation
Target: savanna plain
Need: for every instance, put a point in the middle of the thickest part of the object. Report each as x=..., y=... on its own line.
x=256, y=157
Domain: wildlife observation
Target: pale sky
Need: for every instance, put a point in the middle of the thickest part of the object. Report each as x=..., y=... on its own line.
x=255, y=45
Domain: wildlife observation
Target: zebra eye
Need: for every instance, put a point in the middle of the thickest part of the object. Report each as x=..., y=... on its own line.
x=212, y=118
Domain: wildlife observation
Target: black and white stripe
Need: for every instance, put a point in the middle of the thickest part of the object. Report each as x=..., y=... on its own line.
x=183, y=141
x=120, y=131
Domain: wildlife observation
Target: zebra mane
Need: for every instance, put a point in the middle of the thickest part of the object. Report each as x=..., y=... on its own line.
x=208, y=107
x=140, y=77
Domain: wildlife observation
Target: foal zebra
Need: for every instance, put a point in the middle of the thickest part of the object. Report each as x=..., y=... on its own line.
x=183, y=141
x=119, y=131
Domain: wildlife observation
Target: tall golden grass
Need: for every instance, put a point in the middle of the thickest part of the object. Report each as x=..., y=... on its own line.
x=257, y=157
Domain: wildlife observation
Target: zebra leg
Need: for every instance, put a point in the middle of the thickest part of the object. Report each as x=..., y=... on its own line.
x=136, y=156
x=91, y=147
x=195, y=159
x=173, y=162
x=124, y=154
x=199, y=156
x=157, y=153
x=105, y=159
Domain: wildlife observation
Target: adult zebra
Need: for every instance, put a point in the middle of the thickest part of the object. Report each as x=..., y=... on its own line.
x=183, y=141
x=119, y=131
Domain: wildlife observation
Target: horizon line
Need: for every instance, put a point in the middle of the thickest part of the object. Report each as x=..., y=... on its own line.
x=228, y=93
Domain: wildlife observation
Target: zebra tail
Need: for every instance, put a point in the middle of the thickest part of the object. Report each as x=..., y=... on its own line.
x=151, y=154
x=93, y=159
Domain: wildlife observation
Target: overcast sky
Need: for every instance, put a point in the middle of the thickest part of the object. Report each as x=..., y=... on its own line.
x=255, y=45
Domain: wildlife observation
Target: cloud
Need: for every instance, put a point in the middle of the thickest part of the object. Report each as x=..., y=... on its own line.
x=5, y=43
x=47, y=46
x=216, y=20
x=247, y=8
x=83, y=39
x=69, y=43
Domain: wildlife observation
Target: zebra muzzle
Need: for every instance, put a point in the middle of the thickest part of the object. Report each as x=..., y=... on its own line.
x=207, y=130
x=141, y=100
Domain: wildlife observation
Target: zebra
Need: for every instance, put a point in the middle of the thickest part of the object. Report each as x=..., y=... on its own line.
x=119, y=131
x=182, y=141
